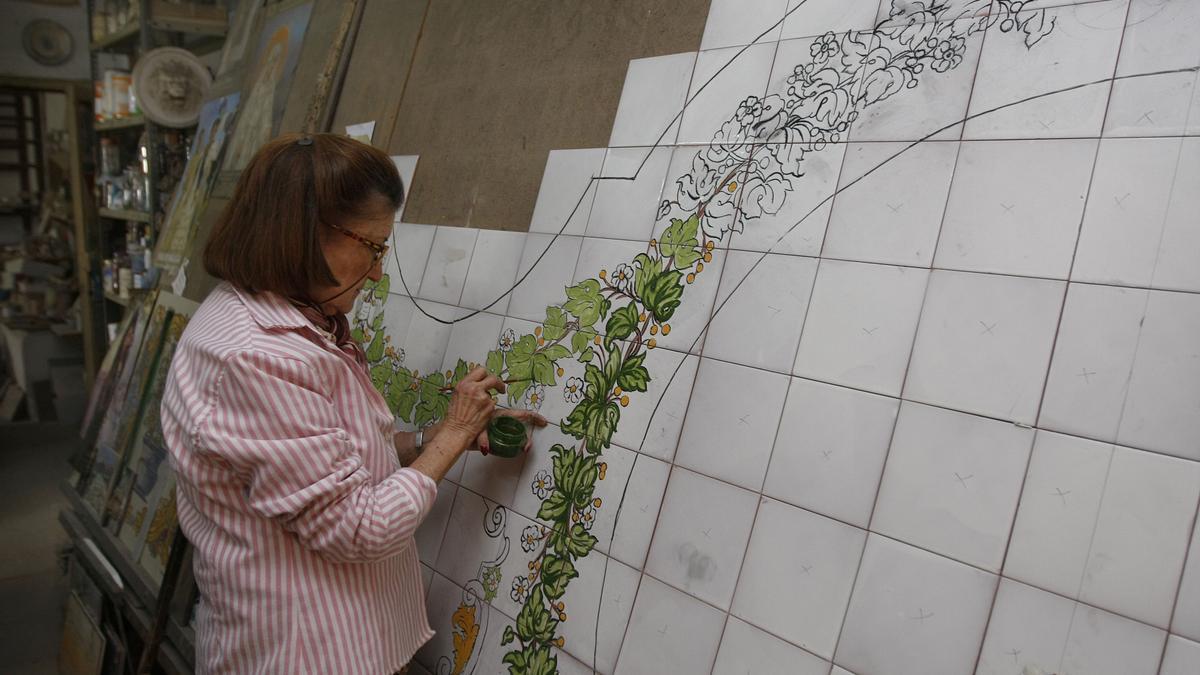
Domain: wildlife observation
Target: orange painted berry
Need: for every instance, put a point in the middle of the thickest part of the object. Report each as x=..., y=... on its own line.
x=666, y=329
x=616, y=391
x=596, y=502
x=691, y=277
x=603, y=274
x=654, y=242
x=707, y=257
x=654, y=329
x=642, y=316
x=541, y=341
x=699, y=267
x=603, y=466
x=560, y=372
x=651, y=343
x=596, y=339
x=625, y=400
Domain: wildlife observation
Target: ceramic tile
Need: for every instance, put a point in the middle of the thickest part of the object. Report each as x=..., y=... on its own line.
x=816, y=17
x=496, y=478
x=1159, y=35
x=1141, y=537
x=830, y=450
x=1182, y=657
x=471, y=340
x=493, y=270
x=701, y=536
x=639, y=507
x=449, y=260
x=1058, y=510
x=904, y=12
x=626, y=201
x=733, y=23
x=762, y=302
x=545, y=285
x=914, y=613
x=1139, y=226
x=598, y=255
x=654, y=419
x=1035, y=631
x=669, y=632
x=608, y=593
x=746, y=649
x=798, y=575
x=860, y=325
x=1186, y=621
x=934, y=109
x=889, y=210
x=567, y=191
x=731, y=422
x=440, y=653
x=983, y=344
x=425, y=341
x=652, y=100
x=1015, y=207
x=690, y=321
x=838, y=670
x=713, y=97
x=1093, y=359
x=482, y=535
x=1081, y=48
x=410, y=251
x=952, y=482
x=398, y=311
x=406, y=165
x=433, y=528
x=1164, y=391
x=443, y=598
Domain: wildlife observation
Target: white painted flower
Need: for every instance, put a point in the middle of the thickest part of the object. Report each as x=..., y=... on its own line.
x=573, y=390
x=530, y=537
x=520, y=588
x=507, y=339
x=543, y=483
x=534, y=396
x=622, y=277
x=587, y=517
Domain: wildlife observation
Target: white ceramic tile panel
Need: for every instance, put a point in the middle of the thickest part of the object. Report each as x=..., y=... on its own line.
x=496, y=478
x=983, y=344
x=1059, y=505
x=860, y=326
x=934, y=109
x=1181, y=658
x=1015, y=207
x=449, y=260
x=1082, y=48
x=398, y=313
x=798, y=575
x=410, y=252
x=1093, y=359
x=1141, y=536
x=433, y=528
x=816, y=17
x=741, y=22
x=1039, y=632
x=690, y=321
x=425, y=341
x=701, y=536
x=1187, y=605
x=614, y=602
x=903, y=12
x=890, y=214
x=626, y=201
x=763, y=298
x=493, y=270
x=652, y=100
x=669, y=632
x=952, y=482
x=652, y=423
x=714, y=96
x=746, y=649
x=1159, y=35
x=567, y=190
x=830, y=449
x=1162, y=412
x=471, y=339
x=914, y=613
x=545, y=285
x=731, y=422
x=1141, y=215
x=598, y=254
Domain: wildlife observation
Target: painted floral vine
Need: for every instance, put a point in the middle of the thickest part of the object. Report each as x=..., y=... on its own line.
x=610, y=322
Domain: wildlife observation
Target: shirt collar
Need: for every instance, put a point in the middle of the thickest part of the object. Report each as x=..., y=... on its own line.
x=271, y=310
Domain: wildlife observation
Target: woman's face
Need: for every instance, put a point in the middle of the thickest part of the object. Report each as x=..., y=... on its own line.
x=350, y=259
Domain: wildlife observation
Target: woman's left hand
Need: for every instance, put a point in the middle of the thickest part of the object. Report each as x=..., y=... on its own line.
x=525, y=416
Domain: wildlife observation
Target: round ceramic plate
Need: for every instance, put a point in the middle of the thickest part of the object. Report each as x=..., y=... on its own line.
x=47, y=42
x=170, y=84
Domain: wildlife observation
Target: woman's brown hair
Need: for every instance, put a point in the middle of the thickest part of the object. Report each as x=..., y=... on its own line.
x=268, y=238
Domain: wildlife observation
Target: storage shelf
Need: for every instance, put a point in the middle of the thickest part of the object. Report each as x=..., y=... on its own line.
x=193, y=26
x=134, y=297
x=123, y=123
x=113, y=40
x=139, y=216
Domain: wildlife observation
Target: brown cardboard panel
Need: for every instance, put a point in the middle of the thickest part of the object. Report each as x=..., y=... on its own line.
x=383, y=51
x=494, y=88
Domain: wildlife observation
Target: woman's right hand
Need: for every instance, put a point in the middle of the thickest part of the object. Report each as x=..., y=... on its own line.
x=471, y=405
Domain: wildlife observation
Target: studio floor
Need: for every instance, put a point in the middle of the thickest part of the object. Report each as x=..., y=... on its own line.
x=33, y=460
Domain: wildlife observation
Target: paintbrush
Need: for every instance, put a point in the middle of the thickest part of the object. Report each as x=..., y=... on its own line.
x=525, y=379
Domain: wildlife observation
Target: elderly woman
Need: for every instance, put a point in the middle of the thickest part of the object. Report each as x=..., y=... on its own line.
x=297, y=492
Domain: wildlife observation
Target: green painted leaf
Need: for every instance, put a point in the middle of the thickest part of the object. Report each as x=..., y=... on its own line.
x=580, y=542
x=377, y=324
x=555, y=325
x=556, y=352
x=516, y=390
x=663, y=294
x=431, y=386
x=380, y=374
x=621, y=324
x=460, y=371
x=647, y=268
x=612, y=367
x=586, y=356
x=597, y=385
x=375, y=349
x=557, y=572
x=541, y=661
x=495, y=362
x=679, y=242
x=401, y=402
x=533, y=621
x=517, y=661
x=601, y=426
x=575, y=423
x=563, y=463
x=543, y=370
x=634, y=376
x=581, y=340
x=579, y=490
x=382, y=287
x=554, y=508
x=509, y=635
x=586, y=303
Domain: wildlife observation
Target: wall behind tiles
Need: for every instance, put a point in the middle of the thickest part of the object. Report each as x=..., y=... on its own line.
x=884, y=360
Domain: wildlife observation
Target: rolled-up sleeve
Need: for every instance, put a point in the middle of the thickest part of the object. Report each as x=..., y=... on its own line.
x=274, y=424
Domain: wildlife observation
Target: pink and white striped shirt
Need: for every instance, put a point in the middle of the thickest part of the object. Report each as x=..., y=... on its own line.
x=291, y=493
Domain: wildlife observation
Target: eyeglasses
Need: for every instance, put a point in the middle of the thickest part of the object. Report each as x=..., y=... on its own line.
x=378, y=250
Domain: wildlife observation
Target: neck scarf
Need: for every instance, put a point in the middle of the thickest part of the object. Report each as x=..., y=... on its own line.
x=334, y=326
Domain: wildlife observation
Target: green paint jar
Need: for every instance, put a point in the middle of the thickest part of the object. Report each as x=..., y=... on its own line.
x=506, y=436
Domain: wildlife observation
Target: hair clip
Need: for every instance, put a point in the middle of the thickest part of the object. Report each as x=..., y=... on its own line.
x=307, y=140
